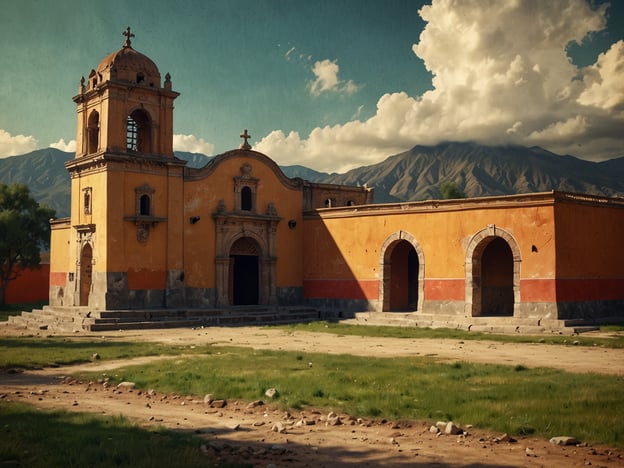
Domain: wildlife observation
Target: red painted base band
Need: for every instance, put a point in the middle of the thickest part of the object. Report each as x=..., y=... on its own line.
x=58, y=278
x=442, y=289
x=146, y=279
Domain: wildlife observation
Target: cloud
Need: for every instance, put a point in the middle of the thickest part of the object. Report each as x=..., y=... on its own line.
x=192, y=144
x=501, y=75
x=69, y=147
x=15, y=145
x=326, y=72
x=604, y=86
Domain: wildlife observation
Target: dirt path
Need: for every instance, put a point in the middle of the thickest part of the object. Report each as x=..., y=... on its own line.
x=309, y=438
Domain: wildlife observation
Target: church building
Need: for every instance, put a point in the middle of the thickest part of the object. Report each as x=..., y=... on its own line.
x=147, y=233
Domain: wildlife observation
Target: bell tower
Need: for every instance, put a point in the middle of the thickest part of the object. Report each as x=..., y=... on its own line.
x=126, y=208
x=122, y=107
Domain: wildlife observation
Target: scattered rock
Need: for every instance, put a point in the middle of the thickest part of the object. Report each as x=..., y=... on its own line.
x=218, y=404
x=279, y=428
x=256, y=403
x=441, y=425
x=333, y=419
x=95, y=357
x=452, y=429
x=434, y=430
x=564, y=440
x=208, y=398
x=529, y=452
x=233, y=425
x=271, y=393
x=126, y=386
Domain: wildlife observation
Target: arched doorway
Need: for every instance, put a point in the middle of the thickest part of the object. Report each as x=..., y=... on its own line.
x=86, y=257
x=492, y=274
x=497, y=295
x=244, y=272
x=403, y=271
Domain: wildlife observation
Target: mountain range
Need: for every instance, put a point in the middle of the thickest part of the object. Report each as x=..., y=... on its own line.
x=417, y=174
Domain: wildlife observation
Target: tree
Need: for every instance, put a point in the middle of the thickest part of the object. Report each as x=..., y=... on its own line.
x=450, y=190
x=24, y=230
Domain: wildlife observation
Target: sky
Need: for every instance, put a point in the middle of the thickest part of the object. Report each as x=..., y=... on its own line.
x=331, y=84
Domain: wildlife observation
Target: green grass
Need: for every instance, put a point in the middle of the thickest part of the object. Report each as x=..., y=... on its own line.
x=16, y=309
x=513, y=399
x=33, y=352
x=616, y=341
x=510, y=399
x=37, y=438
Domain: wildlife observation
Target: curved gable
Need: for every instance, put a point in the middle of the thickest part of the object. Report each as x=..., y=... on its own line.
x=204, y=172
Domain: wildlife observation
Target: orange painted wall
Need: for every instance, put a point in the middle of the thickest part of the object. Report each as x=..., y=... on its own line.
x=201, y=198
x=32, y=285
x=590, y=257
x=126, y=252
x=347, y=244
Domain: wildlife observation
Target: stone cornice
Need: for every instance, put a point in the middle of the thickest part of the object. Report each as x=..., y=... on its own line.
x=465, y=204
x=120, y=84
x=95, y=161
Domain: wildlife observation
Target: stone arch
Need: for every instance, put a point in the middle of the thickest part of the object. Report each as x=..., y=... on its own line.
x=473, y=268
x=393, y=241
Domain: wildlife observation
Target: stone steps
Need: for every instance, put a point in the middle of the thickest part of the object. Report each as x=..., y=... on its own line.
x=81, y=318
x=476, y=324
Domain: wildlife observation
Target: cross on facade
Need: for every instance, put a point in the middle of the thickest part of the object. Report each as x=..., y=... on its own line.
x=128, y=35
x=246, y=136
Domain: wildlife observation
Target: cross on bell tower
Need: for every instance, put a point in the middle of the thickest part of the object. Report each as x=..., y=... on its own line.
x=246, y=136
x=128, y=35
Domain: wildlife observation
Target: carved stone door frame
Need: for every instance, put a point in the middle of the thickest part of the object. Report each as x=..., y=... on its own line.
x=84, y=263
x=230, y=227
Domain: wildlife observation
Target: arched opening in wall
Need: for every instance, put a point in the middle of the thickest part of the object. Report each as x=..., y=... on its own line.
x=244, y=287
x=93, y=132
x=497, y=278
x=86, y=258
x=138, y=132
x=402, y=269
x=246, y=200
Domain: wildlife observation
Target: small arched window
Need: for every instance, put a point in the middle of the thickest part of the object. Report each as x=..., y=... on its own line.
x=93, y=132
x=329, y=203
x=246, y=201
x=145, y=202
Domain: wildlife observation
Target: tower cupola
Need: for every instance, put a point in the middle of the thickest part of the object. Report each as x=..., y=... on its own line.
x=122, y=107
